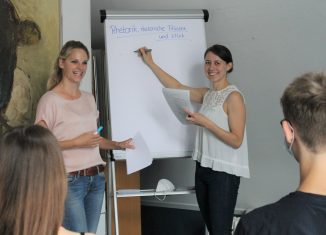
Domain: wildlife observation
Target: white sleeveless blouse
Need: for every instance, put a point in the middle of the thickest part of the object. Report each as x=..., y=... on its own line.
x=209, y=150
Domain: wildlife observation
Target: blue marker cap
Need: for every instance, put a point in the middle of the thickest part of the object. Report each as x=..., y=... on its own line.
x=99, y=130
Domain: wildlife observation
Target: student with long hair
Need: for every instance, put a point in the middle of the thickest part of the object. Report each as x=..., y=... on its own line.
x=32, y=183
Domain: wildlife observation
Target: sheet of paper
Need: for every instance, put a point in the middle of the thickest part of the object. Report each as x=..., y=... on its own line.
x=140, y=157
x=178, y=100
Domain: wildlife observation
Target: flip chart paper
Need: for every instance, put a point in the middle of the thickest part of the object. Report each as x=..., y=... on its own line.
x=178, y=100
x=140, y=157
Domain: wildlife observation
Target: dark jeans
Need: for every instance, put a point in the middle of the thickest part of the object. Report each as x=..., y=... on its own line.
x=216, y=194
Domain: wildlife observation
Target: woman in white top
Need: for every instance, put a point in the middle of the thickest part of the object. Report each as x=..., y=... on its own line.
x=221, y=143
x=71, y=114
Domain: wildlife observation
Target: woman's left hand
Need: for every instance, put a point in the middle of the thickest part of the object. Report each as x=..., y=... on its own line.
x=126, y=144
x=196, y=118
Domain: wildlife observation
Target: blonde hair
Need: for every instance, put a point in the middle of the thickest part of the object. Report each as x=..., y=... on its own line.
x=57, y=75
x=32, y=182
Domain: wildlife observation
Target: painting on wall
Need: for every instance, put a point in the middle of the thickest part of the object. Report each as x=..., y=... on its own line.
x=29, y=44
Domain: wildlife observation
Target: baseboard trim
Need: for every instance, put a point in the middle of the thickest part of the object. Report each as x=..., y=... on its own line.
x=183, y=206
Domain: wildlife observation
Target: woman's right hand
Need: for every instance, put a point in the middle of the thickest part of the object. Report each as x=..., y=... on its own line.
x=87, y=140
x=146, y=55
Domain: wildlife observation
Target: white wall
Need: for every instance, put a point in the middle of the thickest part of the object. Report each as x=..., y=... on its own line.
x=272, y=42
x=76, y=25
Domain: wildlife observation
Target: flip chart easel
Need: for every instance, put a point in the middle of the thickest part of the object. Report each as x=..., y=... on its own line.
x=136, y=102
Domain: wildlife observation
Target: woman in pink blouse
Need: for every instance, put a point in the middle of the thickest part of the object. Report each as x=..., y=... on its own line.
x=71, y=114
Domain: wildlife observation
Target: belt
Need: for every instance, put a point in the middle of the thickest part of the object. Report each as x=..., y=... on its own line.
x=94, y=170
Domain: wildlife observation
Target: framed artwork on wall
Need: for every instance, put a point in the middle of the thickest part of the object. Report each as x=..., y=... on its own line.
x=29, y=44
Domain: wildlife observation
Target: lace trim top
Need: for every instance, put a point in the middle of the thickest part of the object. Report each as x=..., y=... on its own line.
x=209, y=150
x=214, y=99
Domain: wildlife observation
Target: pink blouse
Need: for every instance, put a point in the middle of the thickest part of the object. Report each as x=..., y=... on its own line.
x=68, y=119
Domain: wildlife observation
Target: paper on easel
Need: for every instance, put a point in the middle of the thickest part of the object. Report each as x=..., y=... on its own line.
x=178, y=100
x=140, y=157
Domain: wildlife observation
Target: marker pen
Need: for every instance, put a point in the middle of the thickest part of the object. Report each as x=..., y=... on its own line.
x=99, y=130
x=146, y=50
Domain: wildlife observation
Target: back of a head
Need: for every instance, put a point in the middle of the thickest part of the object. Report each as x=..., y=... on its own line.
x=304, y=106
x=32, y=182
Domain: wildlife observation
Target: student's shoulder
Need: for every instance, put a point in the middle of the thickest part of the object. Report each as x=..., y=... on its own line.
x=256, y=221
x=63, y=231
x=277, y=209
x=260, y=213
x=271, y=218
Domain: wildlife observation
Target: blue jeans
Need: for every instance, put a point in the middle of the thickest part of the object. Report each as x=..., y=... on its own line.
x=84, y=202
x=216, y=194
